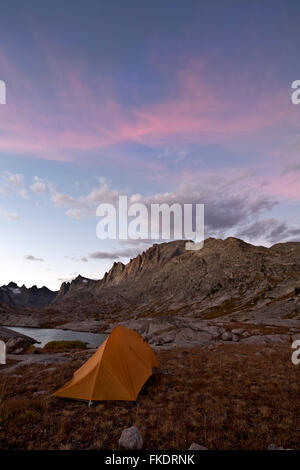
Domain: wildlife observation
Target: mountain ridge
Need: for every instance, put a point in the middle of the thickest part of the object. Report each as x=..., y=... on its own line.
x=226, y=277
x=12, y=294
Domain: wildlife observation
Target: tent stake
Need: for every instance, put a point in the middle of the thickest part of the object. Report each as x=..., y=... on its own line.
x=90, y=403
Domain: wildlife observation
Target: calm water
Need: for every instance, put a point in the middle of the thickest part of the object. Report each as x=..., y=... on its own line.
x=44, y=335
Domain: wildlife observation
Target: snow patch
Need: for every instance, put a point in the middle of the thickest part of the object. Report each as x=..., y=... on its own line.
x=15, y=291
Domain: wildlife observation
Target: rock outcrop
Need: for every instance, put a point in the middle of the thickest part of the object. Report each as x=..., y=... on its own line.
x=15, y=342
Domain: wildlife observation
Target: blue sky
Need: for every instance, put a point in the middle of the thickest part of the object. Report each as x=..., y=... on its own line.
x=174, y=101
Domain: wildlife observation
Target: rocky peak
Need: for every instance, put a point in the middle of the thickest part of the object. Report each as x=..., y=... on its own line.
x=33, y=288
x=65, y=286
x=78, y=285
x=115, y=273
x=78, y=279
x=62, y=291
x=156, y=256
x=12, y=285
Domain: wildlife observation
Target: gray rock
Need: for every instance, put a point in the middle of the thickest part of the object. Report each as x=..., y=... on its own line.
x=227, y=336
x=246, y=334
x=214, y=331
x=264, y=340
x=187, y=336
x=158, y=328
x=15, y=342
x=256, y=340
x=235, y=338
x=131, y=439
x=238, y=331
x=195, y=446
x=278, y=339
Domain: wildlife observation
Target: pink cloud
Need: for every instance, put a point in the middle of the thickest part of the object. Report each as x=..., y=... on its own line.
x=80, y=117
x=284, y=187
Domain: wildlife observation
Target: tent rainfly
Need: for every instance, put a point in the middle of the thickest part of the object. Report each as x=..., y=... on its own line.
x=117, y=371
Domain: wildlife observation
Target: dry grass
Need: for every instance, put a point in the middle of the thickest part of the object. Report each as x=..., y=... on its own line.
x=262, y=329
x=62, y=345
x=232, y=397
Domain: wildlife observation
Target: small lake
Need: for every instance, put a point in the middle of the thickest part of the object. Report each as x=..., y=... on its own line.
x=44, y=335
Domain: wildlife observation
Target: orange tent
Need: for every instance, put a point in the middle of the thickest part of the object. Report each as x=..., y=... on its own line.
x=117, y=370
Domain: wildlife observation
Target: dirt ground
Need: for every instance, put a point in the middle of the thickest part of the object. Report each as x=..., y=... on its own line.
x=231, y=396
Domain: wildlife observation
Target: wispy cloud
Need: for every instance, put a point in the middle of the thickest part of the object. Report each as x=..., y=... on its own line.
x=77, y=258
x=32, y=258
x=12, y=216
x=270, y=230
x=88, y=114
x=114, y=255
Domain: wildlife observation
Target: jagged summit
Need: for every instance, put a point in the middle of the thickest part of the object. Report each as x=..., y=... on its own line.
x=156, y=256
x=12, y=285
x=34, y=296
